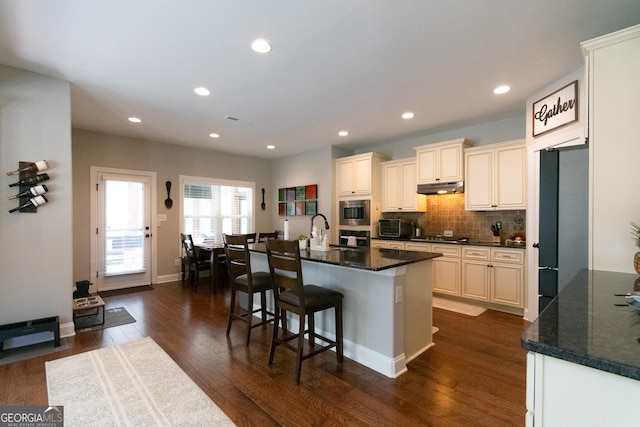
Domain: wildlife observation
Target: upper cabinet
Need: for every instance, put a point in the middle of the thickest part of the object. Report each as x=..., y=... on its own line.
x=441, y=162
x=358, y=175
x=399, y=187
x=496, y=177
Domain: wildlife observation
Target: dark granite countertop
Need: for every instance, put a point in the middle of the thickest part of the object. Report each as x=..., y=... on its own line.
x=373, y=259
x=469, y=243
x=589, y=325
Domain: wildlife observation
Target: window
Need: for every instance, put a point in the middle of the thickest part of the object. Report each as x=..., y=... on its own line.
x=212, y=207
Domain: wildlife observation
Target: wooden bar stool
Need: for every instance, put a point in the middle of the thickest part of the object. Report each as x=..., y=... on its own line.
x=242, y=279
x=291, y=294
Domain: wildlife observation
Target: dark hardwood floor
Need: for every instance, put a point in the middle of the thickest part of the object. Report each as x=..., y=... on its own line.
x=473, y=376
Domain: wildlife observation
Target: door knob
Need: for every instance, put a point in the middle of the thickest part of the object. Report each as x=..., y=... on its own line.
x=535, y=245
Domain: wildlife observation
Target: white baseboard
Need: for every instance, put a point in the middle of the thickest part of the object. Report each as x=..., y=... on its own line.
x=387, y=366
x=67, y=330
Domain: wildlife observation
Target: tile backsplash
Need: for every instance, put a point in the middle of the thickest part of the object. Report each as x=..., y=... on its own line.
x=446, y=212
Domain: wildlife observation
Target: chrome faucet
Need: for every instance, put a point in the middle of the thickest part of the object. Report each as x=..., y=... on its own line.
x=326, y=223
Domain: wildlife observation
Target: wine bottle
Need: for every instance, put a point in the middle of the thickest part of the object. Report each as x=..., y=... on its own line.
x=39, y=166
x=33, y=191
x=31, y=180
x=33, y=202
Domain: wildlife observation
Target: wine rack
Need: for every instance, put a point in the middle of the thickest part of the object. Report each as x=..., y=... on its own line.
x=30, y=194
x=25, y=199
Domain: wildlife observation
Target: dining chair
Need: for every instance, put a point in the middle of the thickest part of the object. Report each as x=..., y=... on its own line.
x=243, y=279
x=251, y=237
x=292, y=295
x=268, y=235
x=197, y=261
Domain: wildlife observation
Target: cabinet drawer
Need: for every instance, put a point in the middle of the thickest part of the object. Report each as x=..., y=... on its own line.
x=508, y=255
x=419, y=247
x=447, y=250
x=396, y=245
x=475, y=253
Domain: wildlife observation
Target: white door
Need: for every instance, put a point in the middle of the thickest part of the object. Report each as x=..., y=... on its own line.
x=122, y=250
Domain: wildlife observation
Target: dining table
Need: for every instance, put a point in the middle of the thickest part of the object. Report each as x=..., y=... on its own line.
x=215, y=272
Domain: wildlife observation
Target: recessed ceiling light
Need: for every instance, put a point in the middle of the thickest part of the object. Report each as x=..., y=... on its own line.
x=134, y=120
x=271, y=147
x=343, y=133
x=261, y=46
x=202, y=91
x=214, y=135
x=408, y=115
x=502, y=89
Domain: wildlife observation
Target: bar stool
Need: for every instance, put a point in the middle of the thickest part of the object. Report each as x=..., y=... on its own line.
x=290, y=294
x=242, y=279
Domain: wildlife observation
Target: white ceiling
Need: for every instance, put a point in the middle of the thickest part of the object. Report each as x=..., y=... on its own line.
x=336, y=64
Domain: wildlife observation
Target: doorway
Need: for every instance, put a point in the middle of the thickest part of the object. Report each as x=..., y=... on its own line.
x=123, y=248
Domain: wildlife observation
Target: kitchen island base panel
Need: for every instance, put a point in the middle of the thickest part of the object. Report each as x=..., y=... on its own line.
x=387, y=314
x=561, y=393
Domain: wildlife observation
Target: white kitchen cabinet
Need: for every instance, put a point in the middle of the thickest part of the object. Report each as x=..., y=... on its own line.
x=475, y=273
x=399, y=187
x=388, y=244
x=495, y=177
x=446, y=269
x=613, y=63
x=358, y=175
x=441, y=162
x=494, y=275
x=418, y=247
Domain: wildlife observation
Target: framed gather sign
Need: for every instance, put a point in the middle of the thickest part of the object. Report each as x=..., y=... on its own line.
x=556, y=109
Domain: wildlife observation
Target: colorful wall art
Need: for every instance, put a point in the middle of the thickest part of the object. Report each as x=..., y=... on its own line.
x=297, y=201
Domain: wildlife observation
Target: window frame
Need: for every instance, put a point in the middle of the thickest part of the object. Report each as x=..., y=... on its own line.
x=186, y=179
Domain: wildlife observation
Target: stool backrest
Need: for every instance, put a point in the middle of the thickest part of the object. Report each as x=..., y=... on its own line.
x=237, y=251
x=285, y=268
x=264, y=236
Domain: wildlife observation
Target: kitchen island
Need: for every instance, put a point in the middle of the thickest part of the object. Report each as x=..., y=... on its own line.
x=583, y=366
x=387, y=307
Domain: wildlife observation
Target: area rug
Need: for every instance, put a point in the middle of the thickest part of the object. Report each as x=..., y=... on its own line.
x=112, y=317
x=458, y=307
x=130, y=384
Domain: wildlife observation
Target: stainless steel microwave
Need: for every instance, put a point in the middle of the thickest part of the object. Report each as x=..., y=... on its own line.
x=355, y=212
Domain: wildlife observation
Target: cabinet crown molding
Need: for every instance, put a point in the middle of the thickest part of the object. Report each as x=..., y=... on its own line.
x=515, y=142
x=609, y=39
x=464, y=141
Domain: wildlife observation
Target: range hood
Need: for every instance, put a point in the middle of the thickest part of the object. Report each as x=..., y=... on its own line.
x=441, y=188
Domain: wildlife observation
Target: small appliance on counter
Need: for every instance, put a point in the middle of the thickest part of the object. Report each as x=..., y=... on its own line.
x=395, y=228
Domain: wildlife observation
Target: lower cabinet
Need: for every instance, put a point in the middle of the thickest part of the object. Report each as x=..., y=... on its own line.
x=446, y=269
x=388, y=244
x=493, y=274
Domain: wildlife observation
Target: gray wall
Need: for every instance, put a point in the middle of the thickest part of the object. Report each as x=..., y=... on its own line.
x=36, y=248
x=313, y=167
x=169, y=162
x=481, y=134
